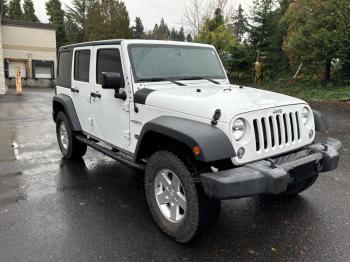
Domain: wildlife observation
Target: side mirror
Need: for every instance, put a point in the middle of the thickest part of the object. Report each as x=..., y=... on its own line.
x=111, y=80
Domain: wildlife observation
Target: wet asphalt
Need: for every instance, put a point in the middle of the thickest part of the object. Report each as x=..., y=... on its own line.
x=52, y=209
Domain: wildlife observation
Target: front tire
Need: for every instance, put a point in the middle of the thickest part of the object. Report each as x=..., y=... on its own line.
x=69, y=146
x=178, y=205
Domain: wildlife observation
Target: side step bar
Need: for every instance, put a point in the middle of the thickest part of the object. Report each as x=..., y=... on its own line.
x=115, y=155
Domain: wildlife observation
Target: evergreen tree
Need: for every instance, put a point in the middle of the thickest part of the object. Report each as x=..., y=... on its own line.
x=138, y=29
x=4, y=11
x=95, y=28
x=75, y=23
x=174, y=34
x=15, y=10
x=218, y=19
x=181, y=35
x=29, y=11
x=189, y=38
x=215, y=31
x=154, y=34
x=56, y=17
x=262, y=25
x=266, y=34
x=163, y=31
x=239, y=24
x=318, y=31
x=107, y=19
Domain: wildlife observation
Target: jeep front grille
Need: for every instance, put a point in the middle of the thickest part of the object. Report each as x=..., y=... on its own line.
x=276, y=130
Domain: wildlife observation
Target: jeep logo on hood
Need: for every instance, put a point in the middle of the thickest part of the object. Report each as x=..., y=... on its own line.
x=277, y=111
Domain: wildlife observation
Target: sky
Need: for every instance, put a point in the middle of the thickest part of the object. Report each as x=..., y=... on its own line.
x=150, y=11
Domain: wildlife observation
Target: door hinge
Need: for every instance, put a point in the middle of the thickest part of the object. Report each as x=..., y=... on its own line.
x=126, y=107
x=91, y=121
x=127, y=134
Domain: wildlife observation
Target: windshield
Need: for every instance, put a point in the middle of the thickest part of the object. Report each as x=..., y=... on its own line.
x=154, y=62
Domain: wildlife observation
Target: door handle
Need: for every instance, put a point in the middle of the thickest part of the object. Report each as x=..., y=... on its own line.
x=74, y=90
x=95, y=95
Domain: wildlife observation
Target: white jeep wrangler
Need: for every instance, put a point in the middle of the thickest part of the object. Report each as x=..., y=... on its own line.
x=167, y=108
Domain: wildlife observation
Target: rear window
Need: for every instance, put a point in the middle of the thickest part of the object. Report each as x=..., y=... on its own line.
x=64, y=69
x=65, y=64
x=82, y=65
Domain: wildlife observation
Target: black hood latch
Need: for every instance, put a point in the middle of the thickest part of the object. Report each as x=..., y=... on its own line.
x=216, y=117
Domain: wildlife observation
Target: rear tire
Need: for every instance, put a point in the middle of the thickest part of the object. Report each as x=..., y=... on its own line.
x=70, y=147
x=194, y=212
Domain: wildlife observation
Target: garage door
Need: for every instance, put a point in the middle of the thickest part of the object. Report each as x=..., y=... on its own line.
x=12, y=69
x=43, y=72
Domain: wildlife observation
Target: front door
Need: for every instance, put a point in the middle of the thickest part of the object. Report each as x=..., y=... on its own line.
x=110, y=114
x=81, y=86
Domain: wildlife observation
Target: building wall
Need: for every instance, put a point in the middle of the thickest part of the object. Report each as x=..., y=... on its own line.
x=28, y=43
x=3, y=87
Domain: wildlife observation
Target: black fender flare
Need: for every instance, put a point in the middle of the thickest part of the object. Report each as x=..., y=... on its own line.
x=65, y=102
x=213, y=143
x=321, y=123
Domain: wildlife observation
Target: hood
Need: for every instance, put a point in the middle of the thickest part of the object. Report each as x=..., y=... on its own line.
x=202, y=99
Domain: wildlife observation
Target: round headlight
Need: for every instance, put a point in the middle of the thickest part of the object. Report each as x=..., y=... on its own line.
x=238, y=129
x=305, y=114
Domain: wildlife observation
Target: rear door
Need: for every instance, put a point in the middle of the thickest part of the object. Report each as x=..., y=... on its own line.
x=110, y=114
x=81, y=86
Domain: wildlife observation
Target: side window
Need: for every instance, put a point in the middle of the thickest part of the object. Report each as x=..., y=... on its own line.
x=64, y=71
x=82, y=65
x=64, y=65
x=108, y=60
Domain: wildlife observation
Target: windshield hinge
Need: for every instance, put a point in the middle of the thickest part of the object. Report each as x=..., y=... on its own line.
x=126, y=107
x=127, y=134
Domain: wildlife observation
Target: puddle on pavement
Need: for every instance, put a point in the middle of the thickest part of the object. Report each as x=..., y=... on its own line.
x=11, y=190
x=6, y=146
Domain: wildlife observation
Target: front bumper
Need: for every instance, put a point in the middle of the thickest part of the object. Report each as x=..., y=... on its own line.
x=274, y=175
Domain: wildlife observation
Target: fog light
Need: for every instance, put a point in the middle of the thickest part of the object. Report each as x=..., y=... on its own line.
x=311, y=133
x=240, y=153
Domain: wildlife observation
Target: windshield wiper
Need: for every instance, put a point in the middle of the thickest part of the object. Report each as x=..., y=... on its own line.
x=200, y=78
x=159, y=79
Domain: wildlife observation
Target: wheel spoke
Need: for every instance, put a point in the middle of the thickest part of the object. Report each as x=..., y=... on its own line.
x=175, y=183
x=173, y=211
x=181, y=201
x=164, y=180
x=162, y=198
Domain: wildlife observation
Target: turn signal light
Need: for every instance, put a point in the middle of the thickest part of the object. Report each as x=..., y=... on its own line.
x=197, y=150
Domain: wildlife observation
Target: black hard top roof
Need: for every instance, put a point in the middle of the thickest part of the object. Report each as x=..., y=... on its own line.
x=93, y=43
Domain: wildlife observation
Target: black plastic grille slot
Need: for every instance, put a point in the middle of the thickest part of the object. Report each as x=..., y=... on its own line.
x=285, y=128
x=291, y=126
x=272, y=131
x=278, y=119
x=263, y=124
x=256, y=132
x=298, y=125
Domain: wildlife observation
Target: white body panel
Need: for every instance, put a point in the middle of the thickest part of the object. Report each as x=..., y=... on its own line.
x=110, y=115
x=82, y=100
